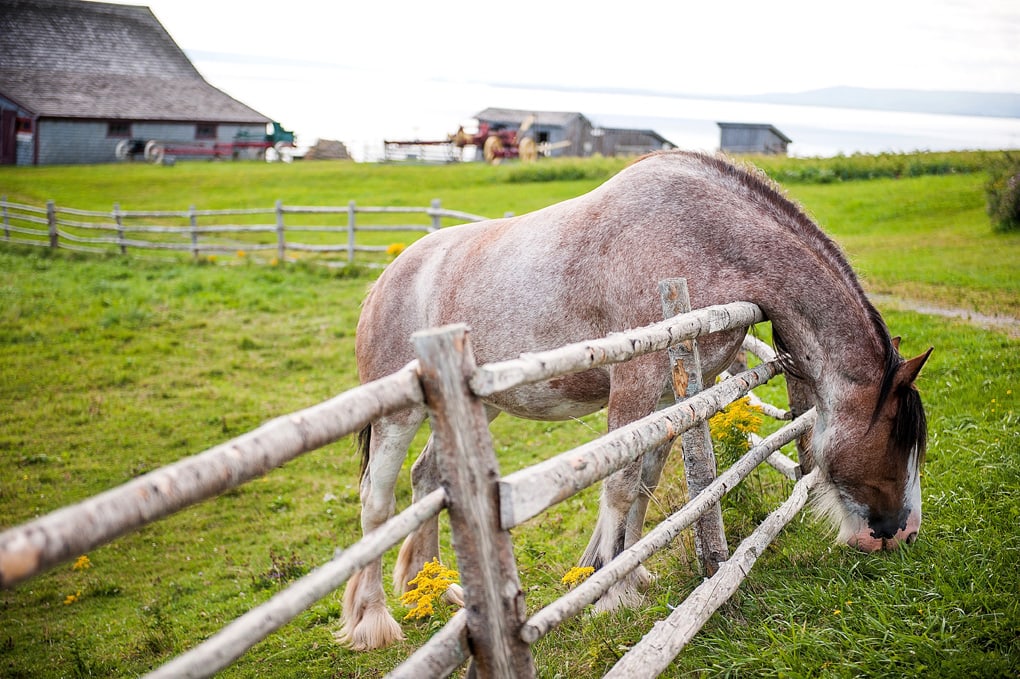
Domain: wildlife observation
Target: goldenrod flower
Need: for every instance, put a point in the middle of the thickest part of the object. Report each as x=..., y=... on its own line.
x=577, y=575
x=432, y=581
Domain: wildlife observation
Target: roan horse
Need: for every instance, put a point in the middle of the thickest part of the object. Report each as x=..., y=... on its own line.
x=590, y=266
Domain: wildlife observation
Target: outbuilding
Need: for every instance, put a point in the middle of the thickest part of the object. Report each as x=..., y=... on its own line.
x=80, y=81
x=753, y=138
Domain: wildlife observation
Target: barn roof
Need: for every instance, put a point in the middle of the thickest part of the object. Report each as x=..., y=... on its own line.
x=756, y=126
x=74, y=59
x=511, y=116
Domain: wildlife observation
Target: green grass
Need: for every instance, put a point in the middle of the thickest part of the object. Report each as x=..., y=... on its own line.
x=113, y=367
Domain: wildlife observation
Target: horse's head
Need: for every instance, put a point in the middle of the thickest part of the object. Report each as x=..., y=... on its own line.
x=870, y=451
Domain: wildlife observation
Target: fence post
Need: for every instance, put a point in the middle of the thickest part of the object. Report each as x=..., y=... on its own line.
x=6, y=220
x=699, y=459
x=193, y=222
x=437, y=221
x=350, y=232
x=281, y=239
x=117, y=218
x=469, y=473
x=51, y=220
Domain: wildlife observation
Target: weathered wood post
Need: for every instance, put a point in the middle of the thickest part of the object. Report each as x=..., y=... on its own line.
x=6, y=218
x=469, y=474
x=118, y=220
x=437, y=221
x=51, y=221
x=193, y=223
x=351, y=210
x=281, y=239
x=699, y=460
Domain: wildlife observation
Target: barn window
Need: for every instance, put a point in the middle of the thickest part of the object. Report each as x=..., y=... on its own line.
x=118, y=128
x=205, y=131
x=23, y=125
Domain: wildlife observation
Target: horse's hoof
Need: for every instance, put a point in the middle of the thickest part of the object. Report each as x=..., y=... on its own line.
x=376, y=629
x=621, y=595
x=455, y=595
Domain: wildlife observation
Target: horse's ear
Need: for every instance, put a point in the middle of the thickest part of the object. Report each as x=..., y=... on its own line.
x=909, y=370
x=896, y=343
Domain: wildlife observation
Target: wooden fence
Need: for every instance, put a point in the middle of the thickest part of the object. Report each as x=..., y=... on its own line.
x=483, y=507
x=208, y=233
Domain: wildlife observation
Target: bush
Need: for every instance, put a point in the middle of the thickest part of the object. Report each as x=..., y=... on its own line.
x=1003, y=192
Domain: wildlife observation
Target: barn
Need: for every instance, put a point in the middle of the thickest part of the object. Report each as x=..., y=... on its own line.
x=78, y=79
x=573, y=134
x=752, y=138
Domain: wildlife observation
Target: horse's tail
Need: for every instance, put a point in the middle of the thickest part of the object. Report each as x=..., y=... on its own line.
x=364, y=439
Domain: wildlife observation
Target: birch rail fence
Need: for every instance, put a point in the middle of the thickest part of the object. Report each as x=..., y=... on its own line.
x=494, y=632
x=196, y=233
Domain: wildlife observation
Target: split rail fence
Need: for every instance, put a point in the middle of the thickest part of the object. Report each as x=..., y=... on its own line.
x=494, y=631
x=205, y=233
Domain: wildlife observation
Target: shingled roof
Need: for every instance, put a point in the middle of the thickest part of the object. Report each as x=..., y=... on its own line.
x=74, y=59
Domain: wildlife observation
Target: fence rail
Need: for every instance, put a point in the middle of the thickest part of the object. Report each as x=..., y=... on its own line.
x=207, y=233
x=493, y=631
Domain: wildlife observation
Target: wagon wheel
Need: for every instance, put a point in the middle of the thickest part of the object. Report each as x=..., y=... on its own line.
x=154, y=152
x=492, y=150
x=122, y=150
x=528, y=150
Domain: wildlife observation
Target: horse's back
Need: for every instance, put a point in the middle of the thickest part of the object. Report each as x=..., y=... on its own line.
x=571, y=271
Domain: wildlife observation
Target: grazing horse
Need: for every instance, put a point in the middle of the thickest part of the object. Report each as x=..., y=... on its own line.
x=590, y=266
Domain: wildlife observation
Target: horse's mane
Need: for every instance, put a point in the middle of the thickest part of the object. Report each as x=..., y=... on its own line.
x=910, y=430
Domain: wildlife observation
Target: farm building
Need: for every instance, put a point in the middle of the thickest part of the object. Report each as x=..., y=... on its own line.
x=572, y=134
x=752, y=138
x=80, y=79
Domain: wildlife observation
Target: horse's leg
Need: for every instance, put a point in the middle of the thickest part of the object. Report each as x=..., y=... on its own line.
x=651, y=469
x=635, y=389
x=367, y=623
x=422, y=545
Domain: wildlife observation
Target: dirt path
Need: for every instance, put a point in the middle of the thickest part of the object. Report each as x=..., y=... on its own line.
x=1006, y=324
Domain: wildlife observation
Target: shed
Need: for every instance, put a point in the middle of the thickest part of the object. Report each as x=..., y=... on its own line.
x=568, y=133
x=753, y=138
x=78, y=78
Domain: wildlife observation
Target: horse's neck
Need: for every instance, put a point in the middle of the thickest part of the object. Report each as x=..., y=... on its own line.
x=832, y=341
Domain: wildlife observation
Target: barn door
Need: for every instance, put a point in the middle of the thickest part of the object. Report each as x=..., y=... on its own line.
x=8, y=137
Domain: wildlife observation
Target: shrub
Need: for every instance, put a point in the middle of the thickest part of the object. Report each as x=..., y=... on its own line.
x=1003, y=192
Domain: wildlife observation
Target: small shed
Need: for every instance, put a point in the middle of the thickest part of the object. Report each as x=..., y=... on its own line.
x=753, y=138
x=78, y=79
x=568, y=133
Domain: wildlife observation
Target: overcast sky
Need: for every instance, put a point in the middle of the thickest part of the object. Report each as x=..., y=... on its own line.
x=294, y=57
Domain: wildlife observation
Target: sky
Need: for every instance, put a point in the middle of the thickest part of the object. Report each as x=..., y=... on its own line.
x=353, y=70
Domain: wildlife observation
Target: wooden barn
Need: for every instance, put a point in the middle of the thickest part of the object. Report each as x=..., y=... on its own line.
x=568, y=133
x=81, y=80
x=753, y=138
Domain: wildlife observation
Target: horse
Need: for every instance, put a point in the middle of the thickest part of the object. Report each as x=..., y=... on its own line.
x=590, y=266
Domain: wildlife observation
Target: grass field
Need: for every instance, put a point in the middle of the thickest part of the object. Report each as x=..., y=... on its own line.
x=113, y=367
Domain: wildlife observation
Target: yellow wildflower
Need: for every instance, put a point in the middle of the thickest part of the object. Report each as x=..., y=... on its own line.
x=577, y=575
x=395, y=249
x=240, y=253
x=730, y=427
x=82, y=563
x=432, y=581
x=71, y=598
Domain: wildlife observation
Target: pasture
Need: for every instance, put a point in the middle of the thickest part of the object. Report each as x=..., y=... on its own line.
x=112, y=367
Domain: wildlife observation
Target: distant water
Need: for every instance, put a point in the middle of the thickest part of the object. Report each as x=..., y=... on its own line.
x=692, y=123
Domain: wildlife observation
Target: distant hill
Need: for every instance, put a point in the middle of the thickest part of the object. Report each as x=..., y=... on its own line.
x=995, y=104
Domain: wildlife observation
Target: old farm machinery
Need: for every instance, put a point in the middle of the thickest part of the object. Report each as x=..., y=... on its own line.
x=244, y=145
x=494, y=142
